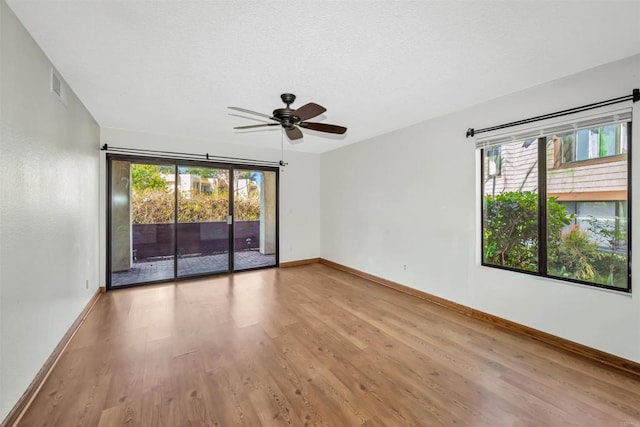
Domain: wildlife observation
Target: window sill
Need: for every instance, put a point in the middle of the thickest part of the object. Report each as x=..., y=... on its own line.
x=568, y=281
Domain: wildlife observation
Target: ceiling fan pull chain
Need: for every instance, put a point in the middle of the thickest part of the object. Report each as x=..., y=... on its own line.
x=282, y=163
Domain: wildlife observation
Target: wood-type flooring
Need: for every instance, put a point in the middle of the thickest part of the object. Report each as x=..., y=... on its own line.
x=312, y=345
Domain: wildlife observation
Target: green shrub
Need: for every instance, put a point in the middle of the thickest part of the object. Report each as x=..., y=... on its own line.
x=612, y=235
x=613, y=269
x=576, y=255
x=511, y=229
x=151, y=206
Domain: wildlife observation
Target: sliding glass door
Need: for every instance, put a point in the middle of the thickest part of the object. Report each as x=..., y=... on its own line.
x=203, y=215
x=255, y=222
x=142, y=222
x=175, y=219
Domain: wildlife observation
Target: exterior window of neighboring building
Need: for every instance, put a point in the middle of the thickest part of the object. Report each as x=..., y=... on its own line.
x=554, y=211
x=593, y=143
x=611, y=213
x=494, y=161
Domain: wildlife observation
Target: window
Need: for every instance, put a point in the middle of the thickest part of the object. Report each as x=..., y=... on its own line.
x=511, y=208
x=593, y=143
x=550, y=212
x=494, y=161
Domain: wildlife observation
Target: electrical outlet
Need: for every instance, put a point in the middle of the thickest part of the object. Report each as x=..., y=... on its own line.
x=404, y=267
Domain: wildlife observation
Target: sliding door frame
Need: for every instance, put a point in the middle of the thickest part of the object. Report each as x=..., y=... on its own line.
x=176, y=162
x=232, y=208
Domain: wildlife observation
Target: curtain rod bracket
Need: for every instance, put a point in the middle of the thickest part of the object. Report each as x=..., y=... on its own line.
x=104, y=148
x=470, y=132
x=636, y=95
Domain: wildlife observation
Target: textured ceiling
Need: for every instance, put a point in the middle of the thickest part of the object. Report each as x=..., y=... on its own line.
x=173, y=67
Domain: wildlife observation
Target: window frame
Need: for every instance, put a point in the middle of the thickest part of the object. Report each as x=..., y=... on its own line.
x=542, y=213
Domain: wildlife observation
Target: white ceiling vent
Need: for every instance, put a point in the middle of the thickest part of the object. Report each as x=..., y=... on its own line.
x=58, y=87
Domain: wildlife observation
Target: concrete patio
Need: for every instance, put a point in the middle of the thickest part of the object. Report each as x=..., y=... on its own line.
x=163, y=269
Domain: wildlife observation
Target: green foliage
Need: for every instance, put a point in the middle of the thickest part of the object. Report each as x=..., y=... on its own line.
x=613, y=234
x=145, y=176
x=578, y=257
x=613, y=269
x=153, y=203
x=201, y=207
x=511, y=228
x=247, y=209
x=206, y=172
x=155, y=207
x=510, y=239
x=575, y=255
x=149, y=206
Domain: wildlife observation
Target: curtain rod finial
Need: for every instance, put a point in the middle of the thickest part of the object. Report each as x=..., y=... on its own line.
x=470, y=132
x=636, y=95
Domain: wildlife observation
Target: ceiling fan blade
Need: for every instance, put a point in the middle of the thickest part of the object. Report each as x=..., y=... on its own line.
x=293, y=133
x=248, y=117
x=323, y=127
x=257, y=126
x=309, y=111
x=244, y=110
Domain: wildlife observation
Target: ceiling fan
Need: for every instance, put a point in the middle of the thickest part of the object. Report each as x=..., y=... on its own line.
x=292, y=120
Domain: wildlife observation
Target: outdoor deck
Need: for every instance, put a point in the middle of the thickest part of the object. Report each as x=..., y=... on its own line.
x=153, y=271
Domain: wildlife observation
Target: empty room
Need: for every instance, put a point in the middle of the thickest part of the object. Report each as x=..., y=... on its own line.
x=332, y=213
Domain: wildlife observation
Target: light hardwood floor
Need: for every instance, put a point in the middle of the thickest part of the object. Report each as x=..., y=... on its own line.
x=311, y=345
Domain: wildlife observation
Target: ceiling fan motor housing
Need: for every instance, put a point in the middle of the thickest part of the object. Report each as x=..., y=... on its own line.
x=285, y=115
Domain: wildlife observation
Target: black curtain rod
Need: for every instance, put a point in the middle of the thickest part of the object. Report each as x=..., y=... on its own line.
x=635, y=97
x=190, y=156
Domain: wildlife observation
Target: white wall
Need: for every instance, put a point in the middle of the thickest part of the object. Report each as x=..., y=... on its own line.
x=299, y=186
x=412, y=197
x=48, y=210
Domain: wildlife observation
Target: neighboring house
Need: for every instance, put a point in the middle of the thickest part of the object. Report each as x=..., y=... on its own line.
x=186, y=183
